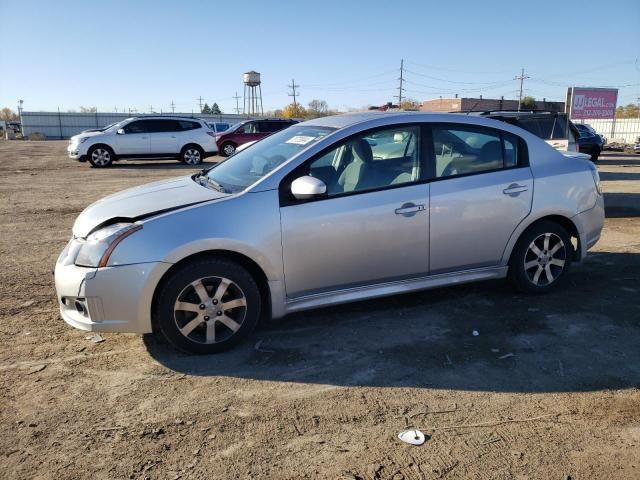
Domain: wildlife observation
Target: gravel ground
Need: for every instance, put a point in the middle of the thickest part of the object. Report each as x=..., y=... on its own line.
x=548, y=389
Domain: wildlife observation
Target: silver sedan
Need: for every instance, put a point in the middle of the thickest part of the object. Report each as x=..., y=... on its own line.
x=328, y=211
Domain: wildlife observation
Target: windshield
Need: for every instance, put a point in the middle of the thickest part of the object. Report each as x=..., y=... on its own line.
x=248, y=166
x=104, y=129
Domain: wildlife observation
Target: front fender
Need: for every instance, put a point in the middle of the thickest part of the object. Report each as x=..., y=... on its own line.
x=248, y=224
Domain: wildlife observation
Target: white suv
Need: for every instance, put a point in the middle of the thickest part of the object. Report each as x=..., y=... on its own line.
x=188, y=139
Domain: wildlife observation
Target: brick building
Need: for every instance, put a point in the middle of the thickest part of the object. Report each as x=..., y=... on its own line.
x=458, y=104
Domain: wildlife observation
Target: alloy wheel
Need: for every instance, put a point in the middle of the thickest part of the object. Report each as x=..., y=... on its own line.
x=191, y=156
x=545, y=259
x=229, y=149
x=101, y=157
x=210, y=310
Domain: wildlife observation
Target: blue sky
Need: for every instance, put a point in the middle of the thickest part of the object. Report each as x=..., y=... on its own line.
x=137, y=54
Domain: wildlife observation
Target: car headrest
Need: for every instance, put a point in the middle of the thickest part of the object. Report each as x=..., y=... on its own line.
x=362, y=150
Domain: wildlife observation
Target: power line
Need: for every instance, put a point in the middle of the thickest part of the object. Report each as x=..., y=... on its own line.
x=346, y=82
x=522, y=77
x=451, y=81
x=237, y=97
x=401, y=86
x=293, y=94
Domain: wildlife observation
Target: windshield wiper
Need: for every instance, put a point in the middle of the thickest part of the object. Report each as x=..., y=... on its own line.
x=216, y=185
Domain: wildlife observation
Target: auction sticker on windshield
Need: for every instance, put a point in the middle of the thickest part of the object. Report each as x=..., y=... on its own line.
x=300, y=140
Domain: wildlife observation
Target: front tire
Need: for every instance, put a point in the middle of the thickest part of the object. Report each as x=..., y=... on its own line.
x=192, y=155
x=100, y=156
x=541, y=258
x=227, y=149
x=595, y=154
x=208, y=305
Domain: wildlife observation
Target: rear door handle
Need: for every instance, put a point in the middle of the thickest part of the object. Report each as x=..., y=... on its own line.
x=514, y=189
x=409, y=209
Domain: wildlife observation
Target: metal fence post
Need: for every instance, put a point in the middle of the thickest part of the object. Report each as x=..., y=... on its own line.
x=60, y=123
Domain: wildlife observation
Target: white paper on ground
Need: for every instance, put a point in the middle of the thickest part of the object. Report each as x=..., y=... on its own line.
x=412, y=437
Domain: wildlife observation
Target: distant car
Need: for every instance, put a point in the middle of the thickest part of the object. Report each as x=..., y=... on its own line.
x=589, y=141
x=248, y=131
x=187, y=139
x=314, y=215
x=219, y=127
x=549, y=126
x=636, y=146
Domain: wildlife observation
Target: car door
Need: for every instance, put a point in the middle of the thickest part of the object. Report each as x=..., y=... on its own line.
x=134, y=140
x=371, y=227
x=164, y=135
x=481, y=190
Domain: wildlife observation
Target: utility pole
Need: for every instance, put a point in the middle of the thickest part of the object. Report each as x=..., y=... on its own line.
x=522, y=77
x=173, y=107
x=237, y=97
x=401, y=87
x=200, y=102
x=150, y=108
x=293, y=94
x=20, y=102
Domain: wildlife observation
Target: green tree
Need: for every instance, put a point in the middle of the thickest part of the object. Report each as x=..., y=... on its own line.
x=206, y=109
x=215, y=109
x=528, y=103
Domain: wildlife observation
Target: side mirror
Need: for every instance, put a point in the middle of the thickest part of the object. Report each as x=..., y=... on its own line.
x=305, y=188
x=120, y=131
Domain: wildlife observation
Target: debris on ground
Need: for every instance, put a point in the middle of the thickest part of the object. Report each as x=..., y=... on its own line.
x=95, y=338
x=36, y=369
x=412, y=437
x=257, y=346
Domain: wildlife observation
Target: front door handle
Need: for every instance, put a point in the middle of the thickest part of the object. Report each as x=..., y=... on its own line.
x=409, y=209
x=514, y=190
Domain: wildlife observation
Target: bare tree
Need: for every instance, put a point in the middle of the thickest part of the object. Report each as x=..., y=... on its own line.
x=8, y=115
x=317, y=108
x=88, y=109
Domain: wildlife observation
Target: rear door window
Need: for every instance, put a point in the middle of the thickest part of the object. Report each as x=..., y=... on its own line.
x=460, y=150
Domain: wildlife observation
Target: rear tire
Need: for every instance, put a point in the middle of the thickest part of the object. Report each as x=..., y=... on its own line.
x=191, y=155
x=541, y=258
x=100, y=156
x=227, y=149
x=208, y=305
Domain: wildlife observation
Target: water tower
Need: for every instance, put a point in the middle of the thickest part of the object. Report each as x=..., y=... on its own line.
x=252, y=94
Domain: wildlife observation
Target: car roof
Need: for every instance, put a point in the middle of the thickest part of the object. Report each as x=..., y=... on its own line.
x=165, y=117
x=515, y=113
x=383, y=118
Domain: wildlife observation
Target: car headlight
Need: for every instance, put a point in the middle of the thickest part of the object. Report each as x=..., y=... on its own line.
x=98, y=247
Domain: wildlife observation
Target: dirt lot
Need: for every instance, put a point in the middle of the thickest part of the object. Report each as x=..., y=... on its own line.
x=549, y=389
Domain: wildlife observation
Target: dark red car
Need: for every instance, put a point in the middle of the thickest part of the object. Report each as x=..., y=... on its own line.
x=249, y=131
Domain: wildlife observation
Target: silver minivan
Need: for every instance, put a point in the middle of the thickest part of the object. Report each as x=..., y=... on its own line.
x=328, y=211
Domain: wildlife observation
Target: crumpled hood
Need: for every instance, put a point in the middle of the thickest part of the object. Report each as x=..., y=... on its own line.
x=143, y=201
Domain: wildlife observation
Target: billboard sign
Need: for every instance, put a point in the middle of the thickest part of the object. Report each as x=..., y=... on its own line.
x=590, y=103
